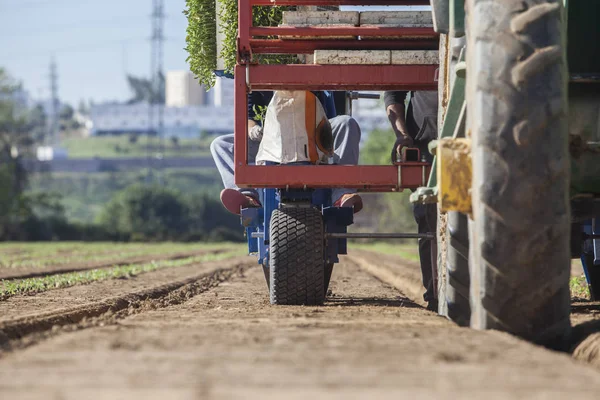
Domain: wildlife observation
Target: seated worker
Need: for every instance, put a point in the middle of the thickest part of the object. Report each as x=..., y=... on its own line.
x=346, y=139
x=416, y=127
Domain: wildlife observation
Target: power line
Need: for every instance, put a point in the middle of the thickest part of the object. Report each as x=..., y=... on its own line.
x=54, y=104
x=156, y=108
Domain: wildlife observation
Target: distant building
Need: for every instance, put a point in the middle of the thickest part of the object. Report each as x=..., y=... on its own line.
x=222, y=93
x=189, y=110
x=183, y=90
x=183, y=122
x=49, y=153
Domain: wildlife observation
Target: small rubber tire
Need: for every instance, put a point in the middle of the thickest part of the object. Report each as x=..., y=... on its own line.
x=297, y=268
x=517, y=115
x=457, y=269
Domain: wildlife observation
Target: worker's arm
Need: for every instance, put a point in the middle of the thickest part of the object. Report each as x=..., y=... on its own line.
x=396, y=112
x=256, y=100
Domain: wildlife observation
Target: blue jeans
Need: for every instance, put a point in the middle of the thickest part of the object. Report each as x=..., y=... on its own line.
x=346, y=139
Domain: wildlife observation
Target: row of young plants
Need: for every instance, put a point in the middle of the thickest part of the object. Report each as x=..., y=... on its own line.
x=36, y=285
x=206, y=18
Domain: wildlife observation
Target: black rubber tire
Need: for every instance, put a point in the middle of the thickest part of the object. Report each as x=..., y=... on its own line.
x=594, y=275
x=297, y=269
x=457, y=268
x=516, y=99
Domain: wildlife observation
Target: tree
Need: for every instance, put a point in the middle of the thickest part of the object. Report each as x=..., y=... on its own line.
x=38, y=121
x=66, y=113
x=16, y=140
x=392, y=212
x=83, y=108
x=144, y=212
x=144, y=91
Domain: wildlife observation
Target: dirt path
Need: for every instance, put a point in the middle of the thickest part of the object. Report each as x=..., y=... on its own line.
x=368, y=341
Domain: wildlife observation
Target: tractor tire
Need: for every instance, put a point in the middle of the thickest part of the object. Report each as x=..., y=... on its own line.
x=457, y=269
x=517, y=115
x=297, y=268
x=594, y=276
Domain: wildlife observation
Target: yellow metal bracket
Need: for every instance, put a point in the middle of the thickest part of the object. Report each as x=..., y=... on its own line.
x=454, y=174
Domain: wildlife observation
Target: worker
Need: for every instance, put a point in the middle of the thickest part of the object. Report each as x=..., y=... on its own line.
x=346, y=139
x=416, y=127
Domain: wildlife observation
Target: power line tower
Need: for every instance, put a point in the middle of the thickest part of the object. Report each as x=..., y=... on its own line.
x=156, y=106
x=52, y=138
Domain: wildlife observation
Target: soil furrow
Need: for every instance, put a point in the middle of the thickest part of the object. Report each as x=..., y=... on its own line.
x=29, y=272
x=367, y=341
x=406, y=277
x=127, y=303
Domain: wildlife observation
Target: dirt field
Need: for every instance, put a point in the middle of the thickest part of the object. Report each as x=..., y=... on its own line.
x=205, y=330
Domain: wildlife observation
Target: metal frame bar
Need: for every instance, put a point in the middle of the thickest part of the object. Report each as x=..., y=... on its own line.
x=340, y=77
x=430, y=236
x=298, y=46
x=414, y=38
x=338, y=2
x=326, y=31
x=322, y=77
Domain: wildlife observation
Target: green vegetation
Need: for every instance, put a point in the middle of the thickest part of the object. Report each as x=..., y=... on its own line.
x=156, y=213
x=201, y=39
x=408, y=251
x=130, y=146
x=84, y=195
x=38, y=255
x=388, y=212
x=202, y=35
x=579, y=287
x=36, y=285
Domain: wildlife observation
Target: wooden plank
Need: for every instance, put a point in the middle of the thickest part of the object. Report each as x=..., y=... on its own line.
x=396, y=18
x=345, y=57
x=414, y=57
x=321, y=19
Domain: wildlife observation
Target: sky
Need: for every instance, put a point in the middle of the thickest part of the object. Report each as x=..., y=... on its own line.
x=95, y=43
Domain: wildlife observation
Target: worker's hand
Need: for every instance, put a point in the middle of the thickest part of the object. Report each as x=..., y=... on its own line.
x=403, y=141
x=256, y=133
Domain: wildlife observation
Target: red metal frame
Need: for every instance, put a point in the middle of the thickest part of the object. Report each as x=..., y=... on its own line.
x=340, y=77
x=293, y=46
x=339, y=2
x=323, y=77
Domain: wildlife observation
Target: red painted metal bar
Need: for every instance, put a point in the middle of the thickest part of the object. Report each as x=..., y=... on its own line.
x=244, y=25
x=364, y=177
x=321, y=77
x=339, y=2
x=240, y=142
x=262, y=46
x=343, y=77
x=316, y=31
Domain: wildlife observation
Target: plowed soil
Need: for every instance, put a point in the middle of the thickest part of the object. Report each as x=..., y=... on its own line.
x=208, y=332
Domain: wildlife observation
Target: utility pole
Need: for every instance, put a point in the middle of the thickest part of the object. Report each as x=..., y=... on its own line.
x=156, y=106
x=52, y=138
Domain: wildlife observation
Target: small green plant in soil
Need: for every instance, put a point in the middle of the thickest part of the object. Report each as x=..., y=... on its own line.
x=579, y=288
x=42, y=284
